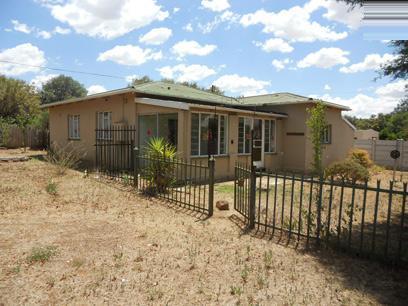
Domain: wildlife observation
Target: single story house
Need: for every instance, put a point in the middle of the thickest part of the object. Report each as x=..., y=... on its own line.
x=182, y=115
x=369, y=134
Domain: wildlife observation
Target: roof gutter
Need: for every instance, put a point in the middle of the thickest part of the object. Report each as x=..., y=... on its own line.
x=250, y=112
x=90, y=97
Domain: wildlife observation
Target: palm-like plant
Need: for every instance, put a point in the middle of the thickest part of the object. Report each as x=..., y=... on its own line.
x=159, y=171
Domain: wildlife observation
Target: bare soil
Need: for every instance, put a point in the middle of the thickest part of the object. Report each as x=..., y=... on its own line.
x=112, y=246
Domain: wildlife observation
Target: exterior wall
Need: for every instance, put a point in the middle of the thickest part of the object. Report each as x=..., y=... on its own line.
x=366, y=134
x=122, y=107
x=297, y=153
x=341, y=140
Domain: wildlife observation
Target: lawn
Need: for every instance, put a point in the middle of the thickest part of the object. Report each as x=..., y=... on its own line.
x=74, y=239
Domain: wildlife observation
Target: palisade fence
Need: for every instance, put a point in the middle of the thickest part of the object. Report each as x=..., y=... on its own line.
x=113, y=151
x=369, y=221
x=188, y=184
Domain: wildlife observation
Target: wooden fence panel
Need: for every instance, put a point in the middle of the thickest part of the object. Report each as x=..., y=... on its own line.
x=13, y=137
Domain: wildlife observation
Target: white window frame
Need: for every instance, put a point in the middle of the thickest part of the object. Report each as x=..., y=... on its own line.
x=274, y=136
x=327, y=135
x=100, y=125
x=218, y=131
x=252, y=126
x=73, y=122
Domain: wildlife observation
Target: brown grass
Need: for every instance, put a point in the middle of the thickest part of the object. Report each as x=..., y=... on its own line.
x=115, y=247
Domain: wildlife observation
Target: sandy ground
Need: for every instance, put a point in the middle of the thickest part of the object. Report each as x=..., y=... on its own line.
x=115, y=247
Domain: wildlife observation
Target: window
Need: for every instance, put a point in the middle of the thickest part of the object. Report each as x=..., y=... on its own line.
x=270, y=136
x=103, y=123
x=158, y=125
x=73, y=126
x=208, y=134
x=327, y=133
x=244, y=135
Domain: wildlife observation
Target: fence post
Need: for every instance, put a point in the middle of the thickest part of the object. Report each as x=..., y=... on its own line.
x=211, y=167
x=135, y=151
x=319, y=209
x=252, y=198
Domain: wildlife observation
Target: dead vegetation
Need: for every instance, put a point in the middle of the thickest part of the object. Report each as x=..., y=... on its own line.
x=93, y=243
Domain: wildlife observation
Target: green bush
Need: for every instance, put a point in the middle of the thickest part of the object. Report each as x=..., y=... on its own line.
x=362, y=157
x=159, y=171
x=348, y=170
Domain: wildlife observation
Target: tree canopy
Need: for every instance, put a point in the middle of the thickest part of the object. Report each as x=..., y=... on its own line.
x=61, y=88
x=19, y=102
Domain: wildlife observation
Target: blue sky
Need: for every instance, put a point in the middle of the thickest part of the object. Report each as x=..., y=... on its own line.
x=314, y=48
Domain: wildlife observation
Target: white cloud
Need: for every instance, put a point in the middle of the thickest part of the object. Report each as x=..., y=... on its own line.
x=281, y=64
x=191, y=47
x=215, y=5
x=44, y=34
x=175, y=10
x=184, y=73
x=39, y=80
x=188, y=27
x=327, y=87
x=341, y=12
x=21, y=27
x=226, y=17
x=107, y=19
x=24, y=53
x=385, y=100
x=325, y=58
x=156, y=36
x=370, y=62
x=130, y=78
x=94, y=89
x=293, y=24
x=395, y=90
x=129, y=55
x=62, y=31
x=241, y=85
x=275, y=44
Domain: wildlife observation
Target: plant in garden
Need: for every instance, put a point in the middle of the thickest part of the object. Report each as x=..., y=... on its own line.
x=51, y=187
x=348, y=170
x=64, y=157
x=41, y=254
x=317, y=124
x=159, y=171
x=361, y=156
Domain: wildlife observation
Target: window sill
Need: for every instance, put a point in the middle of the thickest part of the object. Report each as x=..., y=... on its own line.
x=205, y=156
x=244, y=154
x=271, y=153
x=74, y=139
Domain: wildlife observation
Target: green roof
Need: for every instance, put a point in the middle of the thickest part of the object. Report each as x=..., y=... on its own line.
x=283, y=98
x=184, y=92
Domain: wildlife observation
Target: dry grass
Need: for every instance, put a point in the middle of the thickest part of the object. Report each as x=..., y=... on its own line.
x=113, y=246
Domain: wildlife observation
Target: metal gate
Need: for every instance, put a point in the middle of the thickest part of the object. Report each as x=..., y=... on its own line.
x=113, y=151
x=242, y=184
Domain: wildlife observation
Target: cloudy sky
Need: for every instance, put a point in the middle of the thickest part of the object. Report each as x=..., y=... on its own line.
x=314, y=48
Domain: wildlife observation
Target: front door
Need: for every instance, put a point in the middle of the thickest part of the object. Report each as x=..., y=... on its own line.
x=257, y=144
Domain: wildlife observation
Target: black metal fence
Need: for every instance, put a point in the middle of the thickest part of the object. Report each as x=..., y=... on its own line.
x=189, y=184
x=368, y=221
x=113, y=149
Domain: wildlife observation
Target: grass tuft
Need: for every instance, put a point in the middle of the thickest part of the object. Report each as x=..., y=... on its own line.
x=41, y=254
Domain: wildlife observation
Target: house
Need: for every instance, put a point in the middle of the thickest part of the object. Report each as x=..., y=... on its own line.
x=188, y=117
x=369, y=134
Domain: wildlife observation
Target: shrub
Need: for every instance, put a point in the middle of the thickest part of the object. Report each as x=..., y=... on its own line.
x=51, y=188
x=41, y=254
x=362, y=157
x=64, y=157
x=348, y=170
x=159, y=172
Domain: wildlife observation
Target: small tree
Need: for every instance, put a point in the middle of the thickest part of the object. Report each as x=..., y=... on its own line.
x=61, y=88
x=317, y=123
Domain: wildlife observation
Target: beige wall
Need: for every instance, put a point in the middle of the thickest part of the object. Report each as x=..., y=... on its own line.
x=125, y=110
x=366, y=134
x=121, y=106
